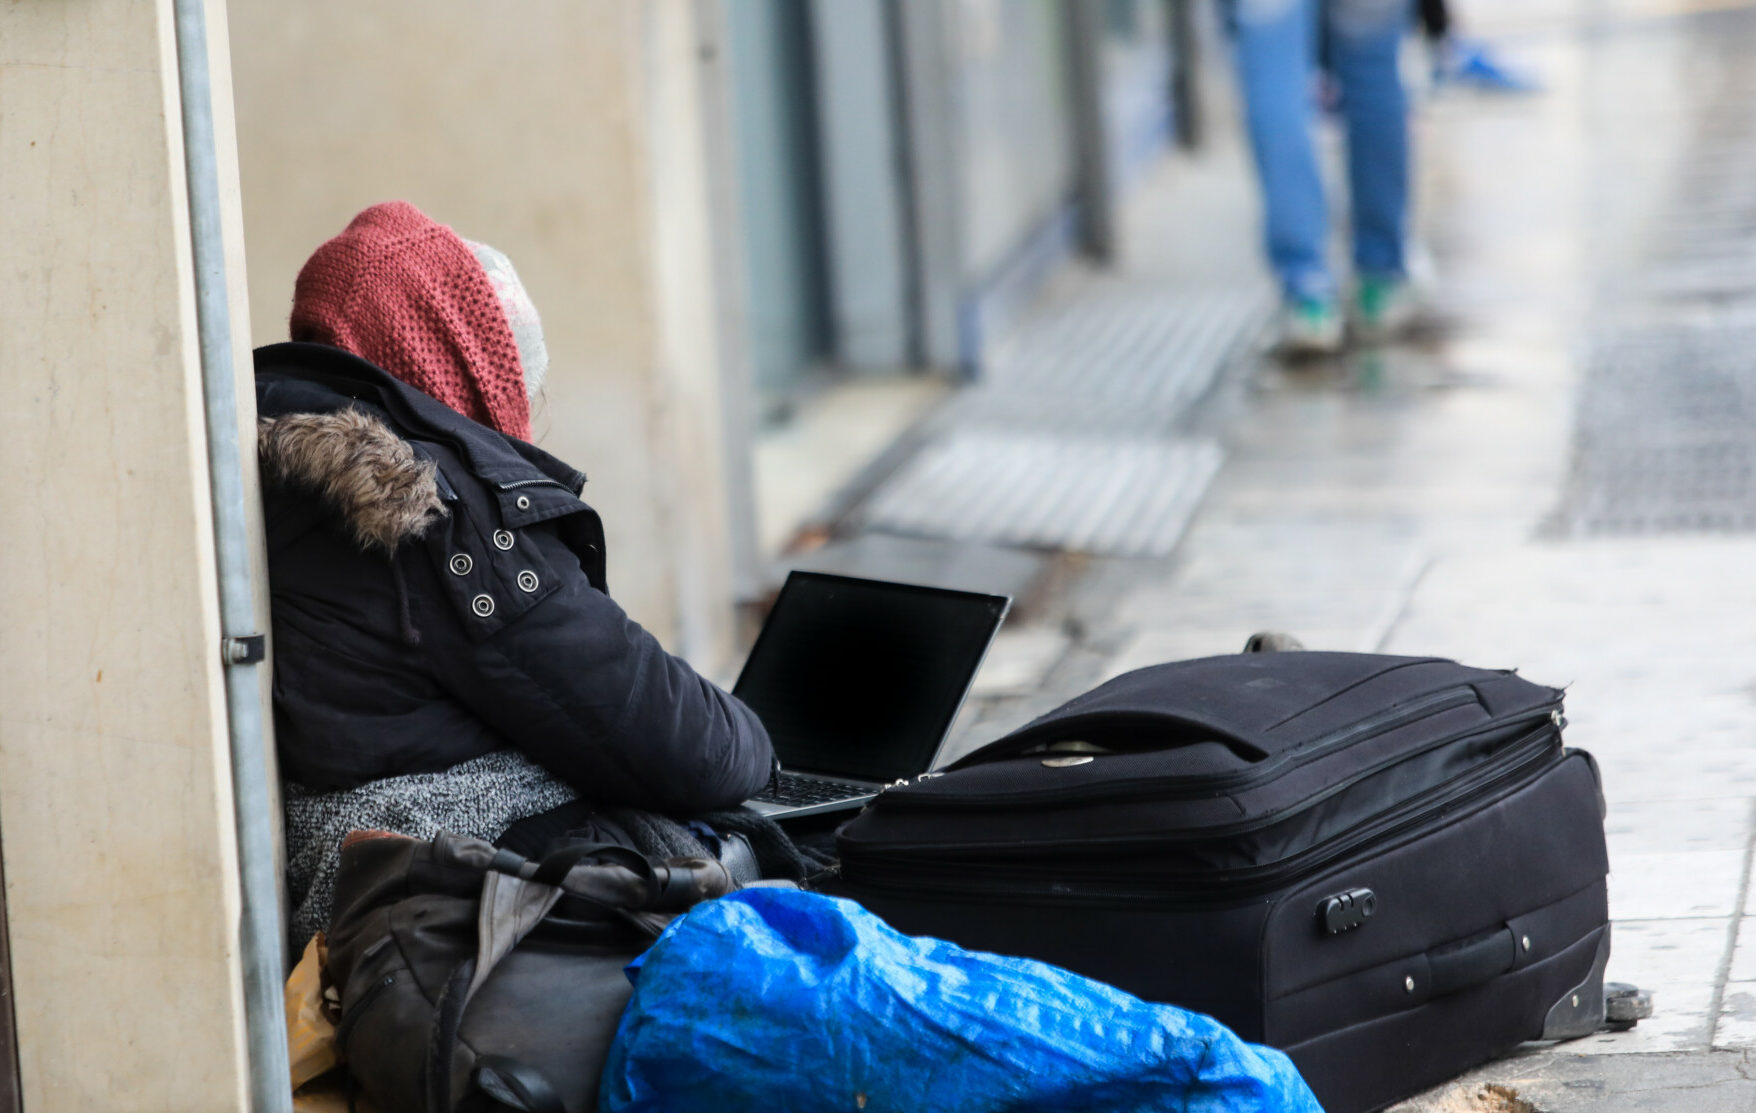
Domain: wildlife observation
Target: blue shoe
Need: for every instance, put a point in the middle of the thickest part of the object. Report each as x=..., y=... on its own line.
x=1471, y=63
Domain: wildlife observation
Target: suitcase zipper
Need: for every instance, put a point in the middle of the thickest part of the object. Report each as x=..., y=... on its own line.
x=962, y=876
x=1547, y=725
x=1412, y=813
x=1182, y=788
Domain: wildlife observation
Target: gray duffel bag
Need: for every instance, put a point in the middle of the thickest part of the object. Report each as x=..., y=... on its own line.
x=473, y=979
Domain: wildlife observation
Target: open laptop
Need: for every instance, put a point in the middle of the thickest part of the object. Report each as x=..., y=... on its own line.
x=858, y=682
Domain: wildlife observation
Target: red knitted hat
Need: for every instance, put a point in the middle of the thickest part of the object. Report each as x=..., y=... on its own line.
x=407, y=294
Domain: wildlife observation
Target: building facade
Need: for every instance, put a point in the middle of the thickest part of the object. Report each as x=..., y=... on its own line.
x=733, y=214
x=727, y=211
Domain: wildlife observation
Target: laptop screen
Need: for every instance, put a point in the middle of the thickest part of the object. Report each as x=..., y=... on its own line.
x=862, y=678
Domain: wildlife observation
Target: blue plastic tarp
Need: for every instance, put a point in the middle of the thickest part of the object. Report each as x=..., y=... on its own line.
x=774, y=1000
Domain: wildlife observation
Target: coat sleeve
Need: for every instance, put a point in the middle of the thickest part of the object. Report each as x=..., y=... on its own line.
x=567, y=677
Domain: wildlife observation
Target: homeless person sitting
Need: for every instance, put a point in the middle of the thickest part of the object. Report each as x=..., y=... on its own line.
x=447, y=656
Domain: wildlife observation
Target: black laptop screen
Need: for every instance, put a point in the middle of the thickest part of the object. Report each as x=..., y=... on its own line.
x=860, y=678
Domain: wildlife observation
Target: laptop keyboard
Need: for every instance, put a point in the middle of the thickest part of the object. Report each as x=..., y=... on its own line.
x=802, y=792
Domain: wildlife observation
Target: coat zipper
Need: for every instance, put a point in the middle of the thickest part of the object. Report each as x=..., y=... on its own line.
x=513, y=486
x=1237, y=883
x=1182, y=788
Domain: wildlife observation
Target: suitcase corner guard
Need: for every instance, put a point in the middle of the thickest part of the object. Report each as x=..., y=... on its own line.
x=1580, y=1011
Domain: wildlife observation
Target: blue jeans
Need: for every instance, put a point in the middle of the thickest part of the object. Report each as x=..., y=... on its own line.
x=1275, y=42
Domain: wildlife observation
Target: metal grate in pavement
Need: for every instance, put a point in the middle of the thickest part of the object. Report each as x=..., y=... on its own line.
x=1666, y=433
x=1067, y=442
x=1116, y=356
x=1116, y=495
x=1728, y=281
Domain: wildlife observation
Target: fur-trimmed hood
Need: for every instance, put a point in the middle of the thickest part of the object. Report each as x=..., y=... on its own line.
x=360, y=467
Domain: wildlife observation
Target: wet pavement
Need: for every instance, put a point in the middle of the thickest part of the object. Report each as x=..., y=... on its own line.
x=1558, y=473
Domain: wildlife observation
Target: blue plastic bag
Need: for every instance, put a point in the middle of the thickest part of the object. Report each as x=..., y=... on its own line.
x=774, y=1000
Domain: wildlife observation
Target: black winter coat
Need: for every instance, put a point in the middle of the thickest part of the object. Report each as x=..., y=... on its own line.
x=438, y=592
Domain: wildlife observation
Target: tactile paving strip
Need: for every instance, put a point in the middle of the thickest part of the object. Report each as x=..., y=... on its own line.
x=1114, y=355
x=1666, y=433
x=1121, y=496
x=1068, y=441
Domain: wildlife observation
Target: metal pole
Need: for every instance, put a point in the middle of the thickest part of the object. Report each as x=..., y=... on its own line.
x=924, y=42
x=1091, y=141
x=731, y=298
x=260, y=930
x=1186, y=104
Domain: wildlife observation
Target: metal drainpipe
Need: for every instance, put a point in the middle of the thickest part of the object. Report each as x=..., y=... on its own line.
x=260, y=931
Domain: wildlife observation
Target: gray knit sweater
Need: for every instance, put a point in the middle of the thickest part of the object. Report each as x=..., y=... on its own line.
x=479, y=798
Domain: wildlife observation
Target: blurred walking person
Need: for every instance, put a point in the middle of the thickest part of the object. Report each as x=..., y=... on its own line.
x=1276, y=48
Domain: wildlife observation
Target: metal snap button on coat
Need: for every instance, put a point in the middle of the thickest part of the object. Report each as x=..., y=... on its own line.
x=527, y=580
x=482, y=605
x=502, y=539
x=523, y=502
x=461, y=564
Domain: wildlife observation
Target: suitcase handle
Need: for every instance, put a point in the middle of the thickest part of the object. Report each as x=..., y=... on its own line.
x=1472, y=961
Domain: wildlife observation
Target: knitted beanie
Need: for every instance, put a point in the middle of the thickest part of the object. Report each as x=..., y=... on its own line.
x=406, y=293
x=521, y=314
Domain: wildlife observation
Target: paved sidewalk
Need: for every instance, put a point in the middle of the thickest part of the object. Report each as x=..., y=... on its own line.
x=1499, y=492
x=1403, y=501
x=1407, y=502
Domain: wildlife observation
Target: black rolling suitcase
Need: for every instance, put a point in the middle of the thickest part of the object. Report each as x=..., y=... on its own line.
x=1388, y=867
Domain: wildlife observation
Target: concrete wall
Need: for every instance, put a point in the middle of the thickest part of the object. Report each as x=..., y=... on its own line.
x=567, y=133
x=115, y=806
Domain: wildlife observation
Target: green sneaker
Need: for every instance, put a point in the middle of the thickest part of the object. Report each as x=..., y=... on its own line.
x=1384, y=308
x=1310, y=327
